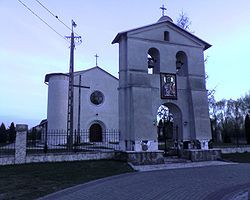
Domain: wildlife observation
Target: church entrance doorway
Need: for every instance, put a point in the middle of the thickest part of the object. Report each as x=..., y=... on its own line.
x=95, y=133
x=168, y=123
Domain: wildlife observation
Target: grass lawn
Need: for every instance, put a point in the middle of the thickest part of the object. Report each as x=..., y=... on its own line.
x=237, y=157
x=31, y=181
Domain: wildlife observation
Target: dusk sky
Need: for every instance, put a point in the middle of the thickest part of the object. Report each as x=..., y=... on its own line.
x=29, y=49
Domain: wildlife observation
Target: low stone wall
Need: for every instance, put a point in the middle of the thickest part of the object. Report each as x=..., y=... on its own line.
x=141, y=158
x=69, y=157
x=227, y=150
x=58, y=157
x=197, y=155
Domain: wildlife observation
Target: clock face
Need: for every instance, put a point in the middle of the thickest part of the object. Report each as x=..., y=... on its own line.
x=97, y=97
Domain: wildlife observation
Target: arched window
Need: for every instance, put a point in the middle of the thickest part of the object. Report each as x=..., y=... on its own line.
x=95, y=133
x=181, y=64
x=153, y=61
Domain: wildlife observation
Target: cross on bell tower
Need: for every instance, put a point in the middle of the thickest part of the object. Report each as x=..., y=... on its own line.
x=163, y=10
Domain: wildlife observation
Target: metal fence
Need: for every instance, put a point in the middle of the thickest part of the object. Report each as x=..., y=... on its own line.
x=7, y=149
x=58, y=141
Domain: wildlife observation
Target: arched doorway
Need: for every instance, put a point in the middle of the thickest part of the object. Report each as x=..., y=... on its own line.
x=95, y=133
x=169, y=128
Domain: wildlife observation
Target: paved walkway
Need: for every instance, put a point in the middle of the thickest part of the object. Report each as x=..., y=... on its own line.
x=145, y=168
x=203, y=182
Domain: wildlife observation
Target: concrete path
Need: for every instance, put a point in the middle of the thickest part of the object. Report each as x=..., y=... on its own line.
x=214, y=182
x=145, y=168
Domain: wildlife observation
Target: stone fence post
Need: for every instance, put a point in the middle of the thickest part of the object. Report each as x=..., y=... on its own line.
x=20, y=147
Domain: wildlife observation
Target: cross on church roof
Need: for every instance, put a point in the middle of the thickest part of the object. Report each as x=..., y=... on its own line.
x=96, y=58
x=163, y=10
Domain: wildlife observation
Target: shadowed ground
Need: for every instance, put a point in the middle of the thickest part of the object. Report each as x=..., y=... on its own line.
x=210, y=182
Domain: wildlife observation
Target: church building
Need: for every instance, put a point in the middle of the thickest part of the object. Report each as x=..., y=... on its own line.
x=161, y=70
x=95, y=108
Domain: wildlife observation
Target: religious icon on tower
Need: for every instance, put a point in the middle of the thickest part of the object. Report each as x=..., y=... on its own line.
x=168, y=86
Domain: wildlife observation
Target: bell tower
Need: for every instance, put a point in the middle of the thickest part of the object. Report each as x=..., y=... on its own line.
x=161, y=64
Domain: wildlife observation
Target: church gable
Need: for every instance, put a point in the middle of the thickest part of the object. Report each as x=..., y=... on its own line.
x=165, y=31
x=96, y=72
x=97, y=77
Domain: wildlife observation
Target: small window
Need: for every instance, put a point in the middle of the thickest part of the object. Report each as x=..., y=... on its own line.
x=166, y=36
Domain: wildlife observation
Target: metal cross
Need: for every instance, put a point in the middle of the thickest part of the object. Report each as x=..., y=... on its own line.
x=96, y=58
x=163, y=10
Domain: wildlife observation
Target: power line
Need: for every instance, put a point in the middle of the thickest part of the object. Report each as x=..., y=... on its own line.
x=42, y=20
x=56, y=16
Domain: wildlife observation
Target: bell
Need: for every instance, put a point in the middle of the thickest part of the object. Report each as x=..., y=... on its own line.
x=179, y=64
x=151, y=62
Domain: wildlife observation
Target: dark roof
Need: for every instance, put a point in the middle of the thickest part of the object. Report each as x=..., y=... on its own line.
x=47, y=76
x=44, y=121
x=118, y=36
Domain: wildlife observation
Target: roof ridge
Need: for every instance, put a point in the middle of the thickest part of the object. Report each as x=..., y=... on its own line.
x=47, y=76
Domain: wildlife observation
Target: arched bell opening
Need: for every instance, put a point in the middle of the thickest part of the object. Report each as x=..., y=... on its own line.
x=153, y=61
x=181, y=64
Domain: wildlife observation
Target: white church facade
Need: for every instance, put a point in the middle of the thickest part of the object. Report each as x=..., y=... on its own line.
x=95, y=108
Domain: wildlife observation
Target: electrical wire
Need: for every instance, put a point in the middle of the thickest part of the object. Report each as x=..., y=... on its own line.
x=42, y=20
x=56, y=16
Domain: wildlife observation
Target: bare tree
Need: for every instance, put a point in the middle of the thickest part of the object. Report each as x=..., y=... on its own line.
x=184, y=22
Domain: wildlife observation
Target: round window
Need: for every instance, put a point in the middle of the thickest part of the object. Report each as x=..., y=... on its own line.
x=96, y=97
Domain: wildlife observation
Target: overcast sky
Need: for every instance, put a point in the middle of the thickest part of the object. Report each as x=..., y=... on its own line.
x=29, y=49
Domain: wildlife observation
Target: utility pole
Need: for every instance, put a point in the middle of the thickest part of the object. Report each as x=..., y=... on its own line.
x=70, y=116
